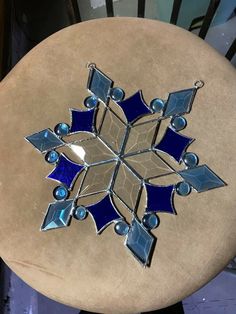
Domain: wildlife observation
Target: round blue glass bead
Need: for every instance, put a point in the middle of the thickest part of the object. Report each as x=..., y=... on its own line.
x=183, y=188
x=157, y=104
x=60, y=193
x=190, y=160
x=150, y=221
x=91, y=102
x=52, y=157
x=80, y=213
x=62, y=129
x=117, y=93
x=179, y=123
x=121, y=228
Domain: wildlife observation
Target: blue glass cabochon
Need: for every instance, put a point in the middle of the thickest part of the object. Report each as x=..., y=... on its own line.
x=58, y=215
x=104, y=213
x=160, y=198
x=179, y=102
x=82, y=120
x=174, y=144
x=99, y=84
x=201, y=178
x=45, y=140
x=140, y=242
x=65, y=171
x=134, y=107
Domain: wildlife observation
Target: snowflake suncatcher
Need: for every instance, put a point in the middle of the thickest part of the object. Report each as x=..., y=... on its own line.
x=118, y=153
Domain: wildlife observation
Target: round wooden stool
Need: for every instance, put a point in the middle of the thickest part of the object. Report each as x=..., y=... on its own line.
x=74, y=265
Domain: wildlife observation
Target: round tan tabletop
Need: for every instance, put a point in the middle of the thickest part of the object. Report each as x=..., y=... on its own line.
x=73, y=265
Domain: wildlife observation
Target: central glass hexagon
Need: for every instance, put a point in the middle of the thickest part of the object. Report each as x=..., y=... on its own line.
x=119, y=158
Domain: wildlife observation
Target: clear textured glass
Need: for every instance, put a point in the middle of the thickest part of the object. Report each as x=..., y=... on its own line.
x=112, y=131
x=141, y=136
x=92, y=151
x=148, y=165
x=98, y=178
x=127, y=186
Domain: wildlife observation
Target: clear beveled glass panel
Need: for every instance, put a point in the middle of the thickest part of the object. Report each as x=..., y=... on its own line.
x=91, y=151
x=148, y=165
x=98, y=178
x=113, y=130
x=127, y=186
x=141, y=136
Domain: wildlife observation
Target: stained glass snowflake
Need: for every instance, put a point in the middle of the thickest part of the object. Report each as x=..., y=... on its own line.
x=115, y=153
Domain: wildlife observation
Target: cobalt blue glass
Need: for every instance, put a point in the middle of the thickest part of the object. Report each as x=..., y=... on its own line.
x=179, y=102
x=174, y=144
x=201, y=178
x=65, y=171
x=82, y=120
x=134, y=107
x=45, y=140
x=58, y=215
x=103, y=213
x=140, y=242
x=160, y=198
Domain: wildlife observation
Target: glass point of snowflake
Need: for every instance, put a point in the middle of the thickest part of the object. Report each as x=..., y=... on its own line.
x=117, y=154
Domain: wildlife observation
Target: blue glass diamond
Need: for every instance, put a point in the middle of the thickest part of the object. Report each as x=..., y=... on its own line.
x=140, y=242
x=174, y=144
x=134, y=107
x=45, y=140
x=65, y=171
x=82, y=120
x=99, y=84
x=104, y=213
x=201, y=178
x=160, y=198
x=58, y=215
x=179, y=102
